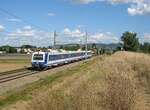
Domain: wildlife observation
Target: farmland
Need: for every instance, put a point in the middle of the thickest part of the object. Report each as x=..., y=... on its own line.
x=117, y=82
x=14, y=61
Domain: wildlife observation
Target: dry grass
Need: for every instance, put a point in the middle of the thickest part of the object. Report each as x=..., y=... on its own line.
x=114, y=82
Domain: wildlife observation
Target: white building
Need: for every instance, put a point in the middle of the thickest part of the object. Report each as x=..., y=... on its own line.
x=2, y=52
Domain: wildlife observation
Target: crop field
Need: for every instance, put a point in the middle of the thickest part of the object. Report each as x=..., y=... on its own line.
x=117, y=82
x=14, y=61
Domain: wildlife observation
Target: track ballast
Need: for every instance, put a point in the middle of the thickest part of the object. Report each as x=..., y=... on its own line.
x=16, y=74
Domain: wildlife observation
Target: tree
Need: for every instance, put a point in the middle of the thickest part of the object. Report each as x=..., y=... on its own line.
x=9, y=49
x=94, y=46
x=130, y=41
x=145, y=47
x=28, y=46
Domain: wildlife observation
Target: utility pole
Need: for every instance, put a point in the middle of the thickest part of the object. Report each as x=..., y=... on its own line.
x=86, y=35
x=55, y=35
x=80, y=44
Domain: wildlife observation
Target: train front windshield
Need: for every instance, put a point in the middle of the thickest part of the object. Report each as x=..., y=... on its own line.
x=38, y=57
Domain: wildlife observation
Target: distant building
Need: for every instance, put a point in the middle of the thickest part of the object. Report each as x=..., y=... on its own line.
x=2, y=52
x=18, y=50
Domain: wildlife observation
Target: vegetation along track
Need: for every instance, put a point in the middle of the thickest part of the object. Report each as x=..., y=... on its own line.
x=16, y=74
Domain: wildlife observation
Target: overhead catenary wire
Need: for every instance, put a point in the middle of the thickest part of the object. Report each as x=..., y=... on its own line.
x=22, y=19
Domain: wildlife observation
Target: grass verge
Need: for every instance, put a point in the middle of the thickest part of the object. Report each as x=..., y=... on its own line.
x=26, y=92
x=110, y=84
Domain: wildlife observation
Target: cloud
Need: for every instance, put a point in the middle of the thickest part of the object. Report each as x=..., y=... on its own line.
x=14, y=20
x=106, y=37
x=136, y=7
x=27, y=35
x=146, y=38
x=73, y=33
x=27, y=31
x=22, y=33
x=2, y=28
x=81, y=26
x=139, y=9
x=101, y=37
x=84, y=1
x=51, y=14
x=71, y=36
x=27, y=27
x=66, y=31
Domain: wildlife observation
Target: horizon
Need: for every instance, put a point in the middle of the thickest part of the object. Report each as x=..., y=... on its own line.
x=51, y=46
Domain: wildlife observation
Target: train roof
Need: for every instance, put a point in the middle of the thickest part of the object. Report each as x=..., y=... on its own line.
x=66, y=52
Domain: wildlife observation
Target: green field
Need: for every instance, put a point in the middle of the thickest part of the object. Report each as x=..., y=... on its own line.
x=15, y=59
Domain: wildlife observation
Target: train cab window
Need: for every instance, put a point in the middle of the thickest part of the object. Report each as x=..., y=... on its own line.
x=38, y=57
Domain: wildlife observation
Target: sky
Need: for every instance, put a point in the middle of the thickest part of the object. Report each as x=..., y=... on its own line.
x=34, y=21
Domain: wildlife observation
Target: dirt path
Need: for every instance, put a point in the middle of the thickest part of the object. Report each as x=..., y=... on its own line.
x=9, y=67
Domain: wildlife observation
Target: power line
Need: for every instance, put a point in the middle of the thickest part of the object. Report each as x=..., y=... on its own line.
x=18, y=17
x=5, y=31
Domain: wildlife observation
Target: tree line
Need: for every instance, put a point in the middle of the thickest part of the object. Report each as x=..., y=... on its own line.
x=11, y=49
x=130, y=42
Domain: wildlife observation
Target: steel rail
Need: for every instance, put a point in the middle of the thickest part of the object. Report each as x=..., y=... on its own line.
x=17, y=76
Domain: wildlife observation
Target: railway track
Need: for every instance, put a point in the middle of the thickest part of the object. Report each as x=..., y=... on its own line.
x=16, y=74
x=19, y=73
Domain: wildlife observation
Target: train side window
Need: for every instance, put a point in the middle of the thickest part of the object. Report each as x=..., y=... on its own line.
x=69, y=55
x=66, y=55
x=55, y=57
x=51, y=57
x=62, y=56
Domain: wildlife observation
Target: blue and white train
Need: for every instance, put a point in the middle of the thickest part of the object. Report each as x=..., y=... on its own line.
x=44, y=60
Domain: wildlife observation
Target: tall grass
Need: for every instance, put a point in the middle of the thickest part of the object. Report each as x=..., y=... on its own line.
x=110, y=83
x=122, y=93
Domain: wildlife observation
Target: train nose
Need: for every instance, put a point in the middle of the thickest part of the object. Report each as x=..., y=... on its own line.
x=38, y=65
x=35, y=64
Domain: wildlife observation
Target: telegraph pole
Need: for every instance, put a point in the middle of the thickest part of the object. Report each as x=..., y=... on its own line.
x=80, y=44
